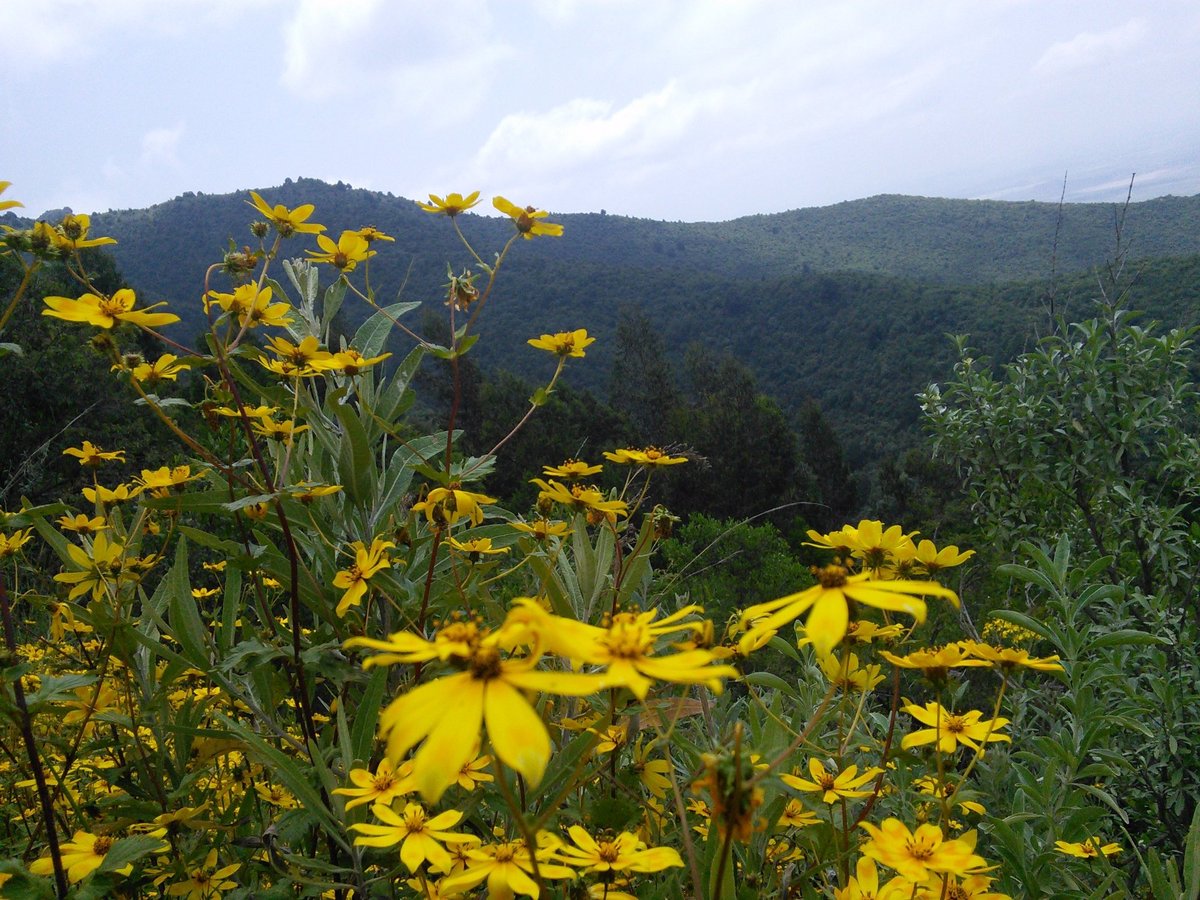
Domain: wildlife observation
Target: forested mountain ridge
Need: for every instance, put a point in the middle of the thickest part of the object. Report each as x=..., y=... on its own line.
x=948, y=241
x=847, y=304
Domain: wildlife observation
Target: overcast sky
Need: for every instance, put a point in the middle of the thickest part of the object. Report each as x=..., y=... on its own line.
x=668, y=109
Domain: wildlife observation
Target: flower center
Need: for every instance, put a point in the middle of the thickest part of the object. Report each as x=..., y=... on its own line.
x=485, y=663
x=920, y=848
x=102, y=845
x=626, y=639
x=831, y=576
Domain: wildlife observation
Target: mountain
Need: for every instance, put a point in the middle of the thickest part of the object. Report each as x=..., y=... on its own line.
x=848, y=304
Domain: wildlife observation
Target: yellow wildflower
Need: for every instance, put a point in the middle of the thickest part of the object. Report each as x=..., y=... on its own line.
x=564, y=343
x=351, y=249
x=948, y=730
x=1092, y=848
x=916, y=854
x=105, y=312
x=528, y=220
x=287, y=221
x=451, y=206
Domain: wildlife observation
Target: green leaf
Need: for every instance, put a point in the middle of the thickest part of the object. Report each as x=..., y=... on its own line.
x=772, y=681
x=370, y=338
x=1191, y=859
x=131, y=849
x=183, y=616
x=362, y=735
x=356, y=465
x=1127, y=637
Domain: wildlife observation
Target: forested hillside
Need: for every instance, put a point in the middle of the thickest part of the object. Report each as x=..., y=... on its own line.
x=846, y=304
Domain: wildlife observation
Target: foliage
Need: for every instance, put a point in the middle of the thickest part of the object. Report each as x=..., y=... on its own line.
x=1093, y=436
x=316, y=658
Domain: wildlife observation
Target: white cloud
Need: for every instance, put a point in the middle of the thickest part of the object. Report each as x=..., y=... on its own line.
x=160, y=146
x=584, y=130
x=42, y=33
x=1090, y=48
x=434, y=59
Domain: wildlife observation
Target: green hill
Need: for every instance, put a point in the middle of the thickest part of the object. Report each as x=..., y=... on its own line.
x=847, y=304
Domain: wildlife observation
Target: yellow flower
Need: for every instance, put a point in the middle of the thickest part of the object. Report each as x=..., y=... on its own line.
x=528, y=220
x=933, y=559
x=916, y=854
x=564, y=343
x=206, y=882
x=650, y=457
x=8, y=204
x=653, y=773
x=165, y=368
x=542, y=529
x=832, y=786
x=73, y=233
x=351, y=249
x=623, y=853
x=969, y=887
x=81, y=524
x=91, y=455
x=160, y=482
x=936, y=663
x=348, y=362
x=122, y=493
x=795, y=815
x=303, y=356
x=475, y=773
x=507, y=868
x=627, y=649
x=370, y=234
x=571, y=470
x=451, y=206
x=1089, y=849
x=879, y=547
x=865, y=885
x=277, y=431
x=307, y=492
x=1009, y=658
x=419, y=835
x=829, y=601
x=287, y=221
x=205, y=593
x=476, y=548
x=251, y=306
x=105, y=312
x=81, y=856
x=276, y=795
x=445, y=506
x=580, y=498
x=447, y=714
x=367, y=562
x=386, y=784
x=98, y=569
x=10, y=544
x=850, y=676
x=948, y=730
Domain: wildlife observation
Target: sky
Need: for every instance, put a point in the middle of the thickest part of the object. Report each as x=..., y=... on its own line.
x=693, y=110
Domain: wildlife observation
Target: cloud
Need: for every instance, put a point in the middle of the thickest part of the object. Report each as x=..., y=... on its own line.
x=160, y=146
x=42, y=33
x=432, y=59
x=1090, y=48
x=584, y=130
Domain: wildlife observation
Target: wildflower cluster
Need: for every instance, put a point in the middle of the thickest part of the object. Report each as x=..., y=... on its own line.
x=310, y=654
